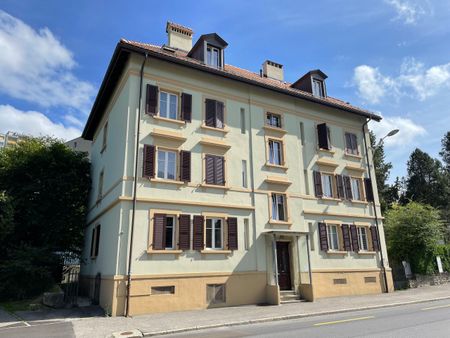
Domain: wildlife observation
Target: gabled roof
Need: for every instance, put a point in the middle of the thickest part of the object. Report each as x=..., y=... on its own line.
x=125, y=47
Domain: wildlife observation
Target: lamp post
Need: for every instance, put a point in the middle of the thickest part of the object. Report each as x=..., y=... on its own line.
x=391, y=133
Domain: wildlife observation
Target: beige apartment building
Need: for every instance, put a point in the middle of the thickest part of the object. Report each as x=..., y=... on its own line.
x=218, y=186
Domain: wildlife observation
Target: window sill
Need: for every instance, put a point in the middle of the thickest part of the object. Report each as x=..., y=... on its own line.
x=336, y=252
x=222, y=130
x=327, y=163
x=165, y=119
x=326, y=151
x=275, y=222
x=213, y=251
x=275, y=129
x=367, y=253
x=224, y=187
x=270, y=165
x=359, y=202
x=163, y=180
x=357, y=169
x=165, y=252
x=352, y=156
x=331, y=199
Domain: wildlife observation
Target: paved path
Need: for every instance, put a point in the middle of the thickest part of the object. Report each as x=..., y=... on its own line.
x=430, y=319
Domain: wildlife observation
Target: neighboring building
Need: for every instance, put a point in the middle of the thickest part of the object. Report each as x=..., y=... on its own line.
x=10, y=139
x=80, y=144
x=246, y=185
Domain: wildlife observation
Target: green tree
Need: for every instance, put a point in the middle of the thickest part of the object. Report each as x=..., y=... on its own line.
x=445, y=152
x=413, y=234
x=382, y=171
x=47, y=185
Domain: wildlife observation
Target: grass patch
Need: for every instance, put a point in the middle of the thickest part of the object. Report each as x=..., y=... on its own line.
x=22, y=305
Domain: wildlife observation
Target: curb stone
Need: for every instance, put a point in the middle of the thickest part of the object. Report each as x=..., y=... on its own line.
x=287, y=317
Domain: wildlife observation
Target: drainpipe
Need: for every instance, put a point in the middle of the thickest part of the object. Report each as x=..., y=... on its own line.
x=375, y=207
x=136, y=157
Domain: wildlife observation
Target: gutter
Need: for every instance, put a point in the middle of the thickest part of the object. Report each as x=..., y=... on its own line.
x=383, y=268
x=136, y=160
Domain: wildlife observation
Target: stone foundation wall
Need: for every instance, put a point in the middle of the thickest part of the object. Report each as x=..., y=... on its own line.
x=425, y=280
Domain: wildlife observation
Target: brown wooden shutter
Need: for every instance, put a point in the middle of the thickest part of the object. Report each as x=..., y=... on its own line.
x=219, y=114
x=184, y=232
x=219, y=169
x=185, y=166
x=186, y=107
x=209, y=169
x=97, y=240
x=151, y=102
x=210, y=113
x=354, y=144
x=369, y=190
x=149, y=161
x=159, y=231
x=198, y=228
x=322, y=133
x=232, y=233
x=323, y=238
x=375, y=241
x=340, y=186
x=354, y=233
x=348, y=188
x=317, y=184
x=346, y=237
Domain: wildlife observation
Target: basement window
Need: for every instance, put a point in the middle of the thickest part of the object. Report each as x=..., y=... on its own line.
x=163, y=290
x=340, y=281
x=215, y=293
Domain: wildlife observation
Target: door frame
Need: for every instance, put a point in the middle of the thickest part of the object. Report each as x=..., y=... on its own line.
x=289, y=250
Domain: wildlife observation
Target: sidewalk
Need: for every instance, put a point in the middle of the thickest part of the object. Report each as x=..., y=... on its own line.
x=191, y=320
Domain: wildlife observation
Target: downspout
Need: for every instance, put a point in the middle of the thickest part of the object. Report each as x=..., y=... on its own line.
x=136, y=157
x=375, y=207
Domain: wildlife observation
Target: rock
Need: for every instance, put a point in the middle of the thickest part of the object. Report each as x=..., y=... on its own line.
x=53, y=299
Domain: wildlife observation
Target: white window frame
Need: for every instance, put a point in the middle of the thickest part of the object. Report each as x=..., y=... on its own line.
x=355, y=184
x=209, y=56
x=213, y=233
x=167, y=105
x=273, y=159
x=362, y=235
x=275, y=201
x=333, y=235
x=166, y=164
x=321, y=89
x=174, y=231
x=325, y=192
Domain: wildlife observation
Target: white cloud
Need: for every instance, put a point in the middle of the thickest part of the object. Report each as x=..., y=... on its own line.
x=33, y=123
x=414, y=80
x=407, y=11
x=36, y=67
x=409, y=133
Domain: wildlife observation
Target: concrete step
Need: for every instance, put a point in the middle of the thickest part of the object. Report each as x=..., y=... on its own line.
x=289, y=297
x=298, y=300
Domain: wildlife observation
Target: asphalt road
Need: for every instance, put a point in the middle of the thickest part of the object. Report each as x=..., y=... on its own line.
x=431, y=319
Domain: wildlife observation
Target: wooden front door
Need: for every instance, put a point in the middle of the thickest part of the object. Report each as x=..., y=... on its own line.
x=284, y=266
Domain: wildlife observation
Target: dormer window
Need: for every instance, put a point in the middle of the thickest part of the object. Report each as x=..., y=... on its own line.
x=317, y=88
x=213, y=56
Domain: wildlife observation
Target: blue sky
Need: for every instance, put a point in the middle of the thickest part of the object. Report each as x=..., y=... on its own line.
x=389, y=56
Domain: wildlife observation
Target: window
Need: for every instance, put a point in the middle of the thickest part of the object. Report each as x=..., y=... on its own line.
x=279, y=207
x=273, y=120
x=362, y=239
x=215, y=293
x=324, y=136
x=95, y=240
x=327, y=185
x=356, y=188
x=215, y=170
x=163, y=290
x=105, y=136
x=275, y=152
x=100, y=185
x=170, y=232
x=214, y=233
x=246, y=234
x=167, y=164
x=244, y=173
x=214, y=114
x=351, y=144
x=242, y=121
x=318, y=89
x=168, y=105
x=333, y=239
x=213, y=56
x=302, y=134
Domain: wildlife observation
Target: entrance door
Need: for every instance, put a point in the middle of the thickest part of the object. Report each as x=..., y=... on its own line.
x=284, y=266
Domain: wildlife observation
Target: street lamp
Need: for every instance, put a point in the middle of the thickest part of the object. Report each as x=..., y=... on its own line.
x=391, y=133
